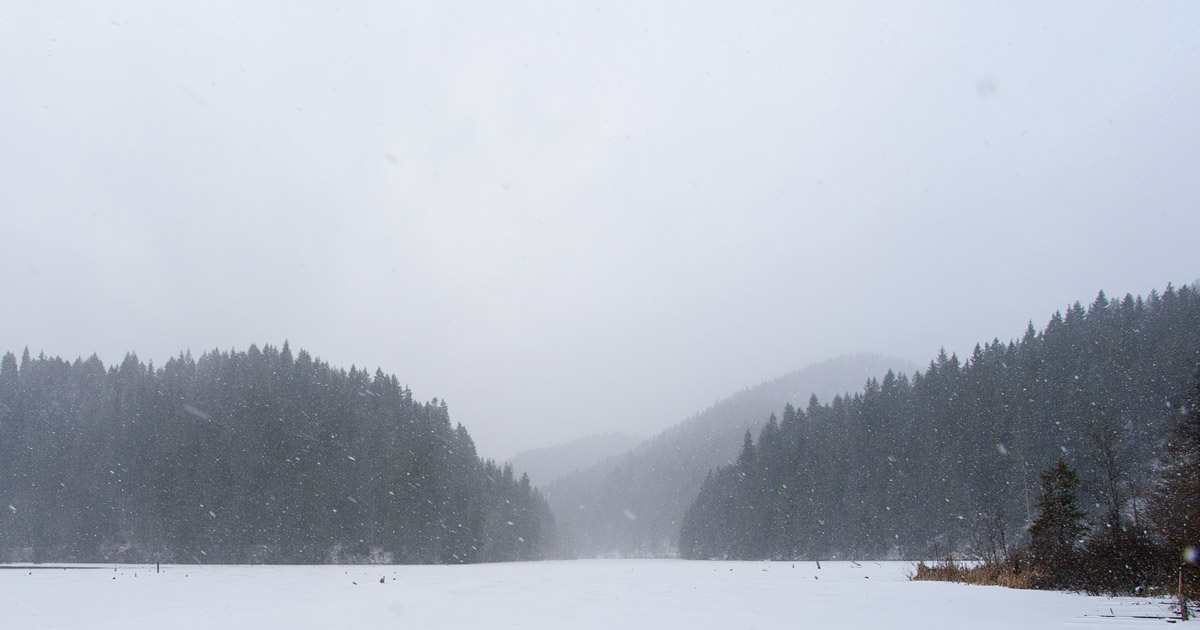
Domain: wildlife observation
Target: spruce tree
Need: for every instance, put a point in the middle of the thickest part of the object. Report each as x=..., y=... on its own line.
x=1055, y=534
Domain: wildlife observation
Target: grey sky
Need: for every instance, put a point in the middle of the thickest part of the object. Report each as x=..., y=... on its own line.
x=569, y=218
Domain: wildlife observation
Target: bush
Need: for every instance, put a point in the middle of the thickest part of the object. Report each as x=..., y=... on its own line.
x=1011, y=572
x=1124, y=562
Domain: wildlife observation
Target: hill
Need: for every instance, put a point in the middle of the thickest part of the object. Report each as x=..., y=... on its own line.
x=546, y=465
x=246, y=457
x=632, y=504
x=949, y=460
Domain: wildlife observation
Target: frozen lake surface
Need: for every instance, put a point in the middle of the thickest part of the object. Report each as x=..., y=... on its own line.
x=603, y=594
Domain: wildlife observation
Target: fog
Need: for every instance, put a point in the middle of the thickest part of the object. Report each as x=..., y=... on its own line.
x=570, y=218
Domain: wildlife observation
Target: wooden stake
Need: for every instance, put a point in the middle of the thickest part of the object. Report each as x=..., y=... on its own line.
x=1183, y=611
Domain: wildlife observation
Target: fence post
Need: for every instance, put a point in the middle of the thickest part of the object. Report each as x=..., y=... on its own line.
x=1183, y=605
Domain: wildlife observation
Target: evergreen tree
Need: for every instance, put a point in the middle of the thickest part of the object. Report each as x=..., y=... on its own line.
x=1055, y=535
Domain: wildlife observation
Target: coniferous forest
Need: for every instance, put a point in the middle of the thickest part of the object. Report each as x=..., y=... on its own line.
x=949, y=460
x=237, y=457
x=265, y=457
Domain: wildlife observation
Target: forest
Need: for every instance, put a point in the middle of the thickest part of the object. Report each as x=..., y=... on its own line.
x=246, y=457
x=259, y=456
x=954, y=458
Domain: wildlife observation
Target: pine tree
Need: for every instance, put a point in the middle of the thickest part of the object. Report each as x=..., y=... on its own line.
x=1055, y=534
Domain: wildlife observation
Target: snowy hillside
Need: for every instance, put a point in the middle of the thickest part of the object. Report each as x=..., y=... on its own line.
x=546, y=465
x=632, y=505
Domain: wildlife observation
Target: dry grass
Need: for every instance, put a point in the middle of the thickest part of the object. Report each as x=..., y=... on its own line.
x=1003, y=573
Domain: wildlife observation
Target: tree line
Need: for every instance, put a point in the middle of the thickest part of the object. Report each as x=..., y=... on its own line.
x=949, y=459
x=238, y=457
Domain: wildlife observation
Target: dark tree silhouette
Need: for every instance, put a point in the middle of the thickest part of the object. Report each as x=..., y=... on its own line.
x=1057, y=534
x=255, y=456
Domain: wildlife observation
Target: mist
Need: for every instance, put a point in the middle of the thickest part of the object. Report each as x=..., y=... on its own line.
x=574, y=218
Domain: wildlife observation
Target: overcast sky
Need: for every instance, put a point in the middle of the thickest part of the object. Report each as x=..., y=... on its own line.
x=567, y=218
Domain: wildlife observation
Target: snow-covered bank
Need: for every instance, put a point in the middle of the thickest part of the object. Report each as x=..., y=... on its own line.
x=603, y=594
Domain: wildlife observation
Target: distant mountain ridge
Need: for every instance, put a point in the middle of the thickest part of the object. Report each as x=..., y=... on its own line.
x=545, y=465
x=632, y=504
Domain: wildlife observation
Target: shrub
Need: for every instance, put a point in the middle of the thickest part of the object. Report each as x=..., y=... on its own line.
x=1011, y=572
x=1124, y=562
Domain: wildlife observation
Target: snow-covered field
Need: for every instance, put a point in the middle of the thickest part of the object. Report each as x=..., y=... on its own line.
x=607, y=594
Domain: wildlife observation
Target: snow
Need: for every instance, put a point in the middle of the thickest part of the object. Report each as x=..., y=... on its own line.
x=600, y=594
